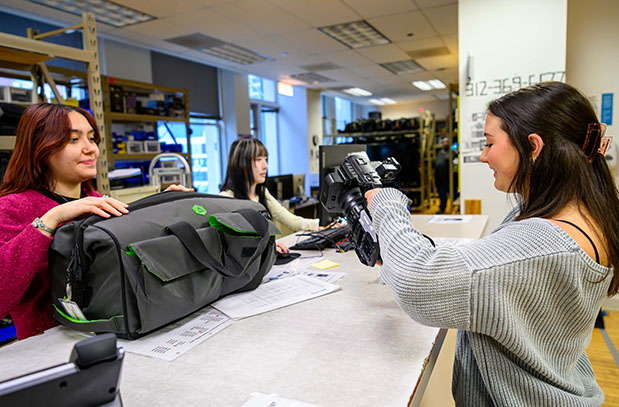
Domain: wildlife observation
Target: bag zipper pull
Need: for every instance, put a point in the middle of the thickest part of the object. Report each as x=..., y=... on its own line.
x=69, y=272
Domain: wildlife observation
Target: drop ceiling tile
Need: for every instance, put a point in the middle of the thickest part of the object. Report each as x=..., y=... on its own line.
x=157, y=29
x=273, y=70
x=162, y=8
x=262, y=15
x=416, y=44
x=203, y=58
x=132, y=39
x=371, y=71
x=214, y=25
x=319, y=13
x=398, y=27
x=433, y=63
x=46, y=14
x=310, y=42
x=387, y=83
x=347, y=58
x=417, y=76
x=423, y=4
x=452, y=43
x=448, y=75
x=372, y=8
x=344, y=75
x=269, y=45
x=384, y=53
x=302, y=59
x=443, y=19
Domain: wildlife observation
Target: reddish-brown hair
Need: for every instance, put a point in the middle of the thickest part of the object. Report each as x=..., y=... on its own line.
x=43, y=130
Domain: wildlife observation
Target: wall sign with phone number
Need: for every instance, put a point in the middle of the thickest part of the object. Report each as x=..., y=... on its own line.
x=495, y=87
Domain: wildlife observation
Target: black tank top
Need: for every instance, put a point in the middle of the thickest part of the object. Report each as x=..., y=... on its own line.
x=597, y=257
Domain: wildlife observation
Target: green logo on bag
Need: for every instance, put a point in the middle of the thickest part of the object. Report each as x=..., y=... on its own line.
x=199, y=209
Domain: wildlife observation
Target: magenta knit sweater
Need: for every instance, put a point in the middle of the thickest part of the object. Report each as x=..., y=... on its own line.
x=24, y=273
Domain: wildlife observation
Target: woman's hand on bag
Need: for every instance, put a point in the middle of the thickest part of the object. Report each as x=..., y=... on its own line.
x=104, y=207
x=281, y=248
x=176, y=187
x=370, y=194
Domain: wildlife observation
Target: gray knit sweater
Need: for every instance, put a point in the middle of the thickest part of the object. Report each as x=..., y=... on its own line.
x=524, y=300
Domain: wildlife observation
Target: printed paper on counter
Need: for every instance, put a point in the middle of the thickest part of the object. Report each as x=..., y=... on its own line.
x=173, y=340
x=273, y=295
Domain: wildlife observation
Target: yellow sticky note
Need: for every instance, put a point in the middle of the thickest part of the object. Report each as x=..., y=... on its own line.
x=325, y=264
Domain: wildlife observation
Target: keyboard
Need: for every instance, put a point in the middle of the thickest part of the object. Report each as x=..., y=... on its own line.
x=322, y=239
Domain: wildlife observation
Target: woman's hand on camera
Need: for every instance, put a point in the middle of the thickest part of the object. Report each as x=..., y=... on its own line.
x=176, y=187
x=104, y=207
x=370, y=194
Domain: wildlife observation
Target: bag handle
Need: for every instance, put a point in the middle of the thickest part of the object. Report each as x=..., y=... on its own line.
x=189, y=237
x=115, y=324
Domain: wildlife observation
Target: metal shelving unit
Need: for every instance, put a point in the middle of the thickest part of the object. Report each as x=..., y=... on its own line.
x=134, y=118
x=29, y=54
x=426, y=134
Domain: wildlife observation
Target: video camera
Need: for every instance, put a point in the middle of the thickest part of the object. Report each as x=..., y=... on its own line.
x=343, y=193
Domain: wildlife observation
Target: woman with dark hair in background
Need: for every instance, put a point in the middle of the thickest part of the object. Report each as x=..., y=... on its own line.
x=525, y=298
x=245, y=178
x=47, y=183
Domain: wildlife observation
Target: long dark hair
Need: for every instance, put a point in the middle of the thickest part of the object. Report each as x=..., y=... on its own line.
x=239, y=174
x=562, y=173
x=43, y=130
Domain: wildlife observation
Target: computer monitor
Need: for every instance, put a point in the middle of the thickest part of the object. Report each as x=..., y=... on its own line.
x=329, y=157
x=280, y=186
x=298, y=184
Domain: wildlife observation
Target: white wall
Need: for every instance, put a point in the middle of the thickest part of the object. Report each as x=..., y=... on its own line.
x=235, y=108
x=440, y=109
x=593, y=53
x=314, y=128
x=593, y=58
x=293, y=132
x=505, y=40
x=125, y=61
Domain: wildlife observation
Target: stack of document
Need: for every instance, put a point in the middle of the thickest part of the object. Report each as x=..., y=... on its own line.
x=272, y=295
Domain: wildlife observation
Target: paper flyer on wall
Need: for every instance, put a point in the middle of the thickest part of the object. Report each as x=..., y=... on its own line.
x=174, y=340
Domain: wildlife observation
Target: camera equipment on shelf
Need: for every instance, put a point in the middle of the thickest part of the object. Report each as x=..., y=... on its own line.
x=343, y=193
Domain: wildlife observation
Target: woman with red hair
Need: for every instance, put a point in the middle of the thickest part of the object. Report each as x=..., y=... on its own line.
x=47, y=182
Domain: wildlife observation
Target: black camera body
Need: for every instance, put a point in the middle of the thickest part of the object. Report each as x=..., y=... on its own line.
x=343, y=193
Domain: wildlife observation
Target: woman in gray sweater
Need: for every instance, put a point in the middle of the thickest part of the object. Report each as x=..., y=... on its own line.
x=525, y=298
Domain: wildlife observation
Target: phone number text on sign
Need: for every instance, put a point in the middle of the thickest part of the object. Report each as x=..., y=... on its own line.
x=496, y=87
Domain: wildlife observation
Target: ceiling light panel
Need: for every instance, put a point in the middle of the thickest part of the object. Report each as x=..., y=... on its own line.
x=357, y=92
x=388, y=101
x=357, y=34
x=310, y=78
x=105, y=11
x=325, y=66
x=422, y=85
x=220, y=49
x=402, y=67
x=236, y=54
x=377, y=102
x=437, y=84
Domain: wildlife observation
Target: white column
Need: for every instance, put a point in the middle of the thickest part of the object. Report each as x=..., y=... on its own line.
x=503, y=45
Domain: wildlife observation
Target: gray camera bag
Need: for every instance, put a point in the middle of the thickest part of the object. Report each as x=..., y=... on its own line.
x=172, y=254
